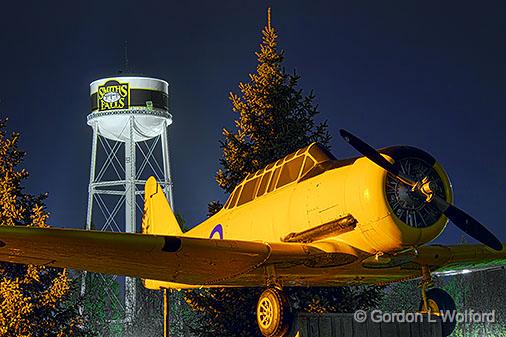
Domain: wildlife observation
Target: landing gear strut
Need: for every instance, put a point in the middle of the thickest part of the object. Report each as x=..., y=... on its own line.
x=436, y=302
x=274, y=316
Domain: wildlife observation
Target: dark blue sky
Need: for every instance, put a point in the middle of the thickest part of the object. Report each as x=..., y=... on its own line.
x=425, y=73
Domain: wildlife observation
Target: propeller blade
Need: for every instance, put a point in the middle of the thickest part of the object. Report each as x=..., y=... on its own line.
x=467, y=223
x=374, y=156
x=472, y=227
x=369, y=152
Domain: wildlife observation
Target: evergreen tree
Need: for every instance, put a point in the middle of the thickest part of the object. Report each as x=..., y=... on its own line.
x=274, y=119
x=213, y=207
x=34, y=300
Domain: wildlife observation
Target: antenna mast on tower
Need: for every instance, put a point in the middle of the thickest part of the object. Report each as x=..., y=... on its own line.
x=126, y=57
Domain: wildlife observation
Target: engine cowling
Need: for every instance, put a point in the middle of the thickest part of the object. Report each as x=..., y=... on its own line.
x=390, y=216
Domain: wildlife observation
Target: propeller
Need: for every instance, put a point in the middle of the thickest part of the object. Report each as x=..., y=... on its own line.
x=461, y=219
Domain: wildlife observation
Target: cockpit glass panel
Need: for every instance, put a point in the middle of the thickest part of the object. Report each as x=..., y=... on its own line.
x=274, y=179
x=228, y=201
x=320, y=154
x=235, y=196
x=290, y=171
x=290, y=156
x=307, y=165
x=301, y=151
x=248, y=191
x=280, y=173
x=263, y=183
x=259, y=172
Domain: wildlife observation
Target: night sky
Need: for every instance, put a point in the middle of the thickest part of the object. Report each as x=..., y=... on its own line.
x=425, y=73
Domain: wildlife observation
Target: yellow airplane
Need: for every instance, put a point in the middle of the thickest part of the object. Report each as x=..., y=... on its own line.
x=307, y=219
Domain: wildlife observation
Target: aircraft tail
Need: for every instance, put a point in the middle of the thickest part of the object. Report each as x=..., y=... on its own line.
x=158, y=218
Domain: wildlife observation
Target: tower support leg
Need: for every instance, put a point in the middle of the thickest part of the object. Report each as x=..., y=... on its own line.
x=91, y=195
x=130, y=212
x=166, y=166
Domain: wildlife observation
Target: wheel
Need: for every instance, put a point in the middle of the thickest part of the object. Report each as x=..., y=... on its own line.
x=273, y=313
x=439, y=301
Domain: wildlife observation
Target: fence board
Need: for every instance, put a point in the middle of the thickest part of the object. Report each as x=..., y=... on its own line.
x=325, y=326
x=343, y=325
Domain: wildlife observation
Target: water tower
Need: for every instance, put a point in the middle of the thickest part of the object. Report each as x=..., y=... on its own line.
x=129, y=117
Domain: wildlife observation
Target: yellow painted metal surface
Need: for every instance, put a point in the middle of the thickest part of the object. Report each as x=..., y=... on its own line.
x=232, y=247
x=158, y=217
x=357, y=189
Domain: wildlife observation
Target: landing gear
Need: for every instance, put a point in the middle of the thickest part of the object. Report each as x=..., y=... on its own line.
x=273, y=313
x=439, y=302
x=436, y=302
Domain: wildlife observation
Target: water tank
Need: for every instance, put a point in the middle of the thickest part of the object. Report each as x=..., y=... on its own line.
x=115, y=99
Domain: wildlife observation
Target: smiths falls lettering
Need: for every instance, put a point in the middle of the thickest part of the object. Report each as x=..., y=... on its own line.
x=113, y=95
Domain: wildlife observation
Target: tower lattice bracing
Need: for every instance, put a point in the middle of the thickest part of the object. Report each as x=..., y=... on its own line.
x=129, y=117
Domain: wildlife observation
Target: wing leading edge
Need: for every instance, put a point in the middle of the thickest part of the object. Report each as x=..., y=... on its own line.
x=442, y=260
x=457, y=259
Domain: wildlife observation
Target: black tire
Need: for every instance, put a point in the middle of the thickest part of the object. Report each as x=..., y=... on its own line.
x=444, y=303
x=273, y=313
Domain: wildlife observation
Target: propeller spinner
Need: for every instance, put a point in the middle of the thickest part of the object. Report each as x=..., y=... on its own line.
x=461, y=219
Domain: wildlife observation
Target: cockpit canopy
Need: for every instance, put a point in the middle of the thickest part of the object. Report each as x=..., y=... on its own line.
x=283, y=172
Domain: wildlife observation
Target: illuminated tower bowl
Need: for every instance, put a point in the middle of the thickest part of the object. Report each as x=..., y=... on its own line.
x=129, y=117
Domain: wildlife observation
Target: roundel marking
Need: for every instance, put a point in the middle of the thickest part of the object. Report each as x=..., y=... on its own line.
x=217, y=229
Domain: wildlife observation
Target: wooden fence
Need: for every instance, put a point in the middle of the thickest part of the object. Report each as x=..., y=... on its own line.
x=343, y=325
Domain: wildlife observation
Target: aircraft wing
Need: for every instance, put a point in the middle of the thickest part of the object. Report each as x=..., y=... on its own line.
x=212, y=262
x=461, y=259
x=177, y=259
x=442, y=260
